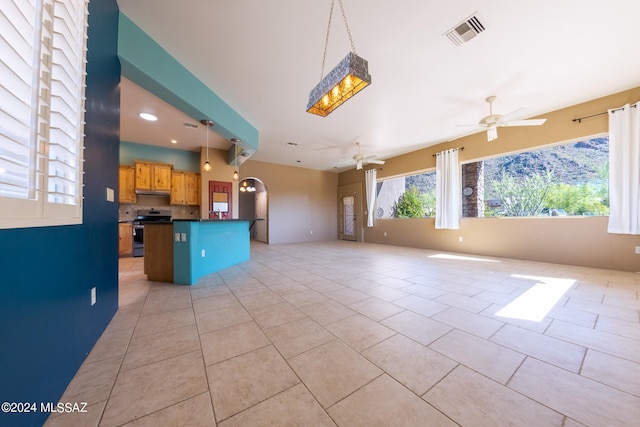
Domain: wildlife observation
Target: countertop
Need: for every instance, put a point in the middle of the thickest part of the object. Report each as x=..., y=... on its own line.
x=220, y=220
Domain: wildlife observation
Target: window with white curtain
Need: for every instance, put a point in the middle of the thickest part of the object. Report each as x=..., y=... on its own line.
x=42, y=80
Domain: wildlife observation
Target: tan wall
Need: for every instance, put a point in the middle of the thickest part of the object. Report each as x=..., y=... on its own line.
x=302, y=204
x=574, y=241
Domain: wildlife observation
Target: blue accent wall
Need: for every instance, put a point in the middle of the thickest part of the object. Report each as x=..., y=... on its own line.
x=180, y=159
x=47, y=324
x=225, y=243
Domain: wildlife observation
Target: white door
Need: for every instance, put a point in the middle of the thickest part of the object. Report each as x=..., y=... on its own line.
x=348, y=218
x=261, y=212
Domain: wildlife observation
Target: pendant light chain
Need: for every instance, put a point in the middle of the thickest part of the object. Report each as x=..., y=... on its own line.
x=326, y=41
x=346, y=24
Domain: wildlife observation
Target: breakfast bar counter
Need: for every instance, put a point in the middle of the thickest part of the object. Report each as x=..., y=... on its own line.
x=200, y=247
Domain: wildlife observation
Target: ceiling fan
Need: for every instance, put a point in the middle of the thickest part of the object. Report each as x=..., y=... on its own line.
x=493, y=121
x=361, y=159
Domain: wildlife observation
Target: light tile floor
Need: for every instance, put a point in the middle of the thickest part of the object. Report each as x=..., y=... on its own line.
x=361, y=335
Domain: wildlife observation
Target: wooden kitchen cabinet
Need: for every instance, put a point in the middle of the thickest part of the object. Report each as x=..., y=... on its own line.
x=143, y=176
x=125, y=239
x=153, y=177
x=126, y=184
x=185, y=188
x=192, y=189
x=161, y=175
x=177, y=188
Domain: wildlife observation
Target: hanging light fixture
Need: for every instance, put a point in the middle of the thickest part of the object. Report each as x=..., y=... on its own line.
x=349, y=77
x=245, y=187
x=235, y=142
x=207, y=123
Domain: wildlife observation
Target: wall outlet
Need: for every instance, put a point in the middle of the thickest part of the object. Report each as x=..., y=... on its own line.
x=385, y=234
x=460, y=239
x=638, y=250
x=311, y=232
x=203, y=253
x=94, y=297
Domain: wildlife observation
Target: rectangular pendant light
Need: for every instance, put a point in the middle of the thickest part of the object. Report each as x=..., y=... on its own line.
x=349, y=77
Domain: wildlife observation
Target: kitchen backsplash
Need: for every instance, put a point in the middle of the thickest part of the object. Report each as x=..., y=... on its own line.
x=128, y=212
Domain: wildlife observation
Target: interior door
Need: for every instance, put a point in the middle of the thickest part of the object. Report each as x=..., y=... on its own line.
x=348, y=218
x=261, y=212
x=220, y=206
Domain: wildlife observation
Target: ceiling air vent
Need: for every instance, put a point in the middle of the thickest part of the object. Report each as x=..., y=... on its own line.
x=465, y=30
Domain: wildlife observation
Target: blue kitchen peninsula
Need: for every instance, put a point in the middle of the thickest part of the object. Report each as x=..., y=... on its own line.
x=202, y=247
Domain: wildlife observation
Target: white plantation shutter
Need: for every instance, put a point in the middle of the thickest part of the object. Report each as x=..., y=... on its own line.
x=42, y=78
x=67, y=105
x=17, y=92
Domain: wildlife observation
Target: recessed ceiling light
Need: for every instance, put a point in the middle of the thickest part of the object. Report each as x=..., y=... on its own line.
x=148, y=116
x=174, y=141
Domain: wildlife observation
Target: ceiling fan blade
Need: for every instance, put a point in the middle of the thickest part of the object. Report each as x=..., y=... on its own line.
x=475, y=125
x=531, y=122
x=516, y=114
x=375, y=162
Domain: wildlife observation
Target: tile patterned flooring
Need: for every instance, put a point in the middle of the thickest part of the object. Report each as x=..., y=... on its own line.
x=351, y=334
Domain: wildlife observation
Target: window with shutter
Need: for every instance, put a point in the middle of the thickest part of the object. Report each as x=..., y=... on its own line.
x=42, y=78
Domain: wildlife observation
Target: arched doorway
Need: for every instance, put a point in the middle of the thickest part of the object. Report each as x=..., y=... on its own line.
x=253, y=203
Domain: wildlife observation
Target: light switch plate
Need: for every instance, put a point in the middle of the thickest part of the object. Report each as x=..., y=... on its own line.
x=183, y=237
x=177, y=237
x=111, y=196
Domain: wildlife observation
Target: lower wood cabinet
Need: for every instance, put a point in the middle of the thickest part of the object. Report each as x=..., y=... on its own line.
x=125, y=239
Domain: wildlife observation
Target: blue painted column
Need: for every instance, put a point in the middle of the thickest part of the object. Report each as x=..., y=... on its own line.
x=202, y=247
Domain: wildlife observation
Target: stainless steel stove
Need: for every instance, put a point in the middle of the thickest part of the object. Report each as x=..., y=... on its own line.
x=142, y=217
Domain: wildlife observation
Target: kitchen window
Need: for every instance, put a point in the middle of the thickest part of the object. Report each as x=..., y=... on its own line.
x=42, y=80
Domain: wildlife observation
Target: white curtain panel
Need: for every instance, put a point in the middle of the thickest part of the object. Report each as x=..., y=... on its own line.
x=370, y=182
x=624, y=170
x=447, y=190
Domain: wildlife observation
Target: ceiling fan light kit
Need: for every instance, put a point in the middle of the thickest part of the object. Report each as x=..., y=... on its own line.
x=349, y=77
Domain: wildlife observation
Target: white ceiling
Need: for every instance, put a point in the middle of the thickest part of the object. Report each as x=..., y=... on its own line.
x=263, y=58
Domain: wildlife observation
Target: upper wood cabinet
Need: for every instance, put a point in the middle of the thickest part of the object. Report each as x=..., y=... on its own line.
x=153, y=177
x=185, y=188
x=126, y=184
x=192, y=188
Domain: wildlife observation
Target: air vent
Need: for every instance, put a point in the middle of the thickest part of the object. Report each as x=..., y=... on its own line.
x=465, y=30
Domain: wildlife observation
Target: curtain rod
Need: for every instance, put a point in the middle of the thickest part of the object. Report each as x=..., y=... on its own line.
x=459, y=148
x=580, y=119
